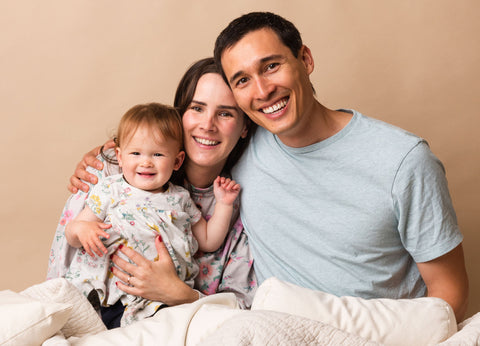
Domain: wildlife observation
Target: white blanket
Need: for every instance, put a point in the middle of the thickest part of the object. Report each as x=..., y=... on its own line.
x=217, y=320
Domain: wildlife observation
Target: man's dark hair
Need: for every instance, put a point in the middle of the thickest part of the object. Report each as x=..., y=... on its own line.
x=238, y=28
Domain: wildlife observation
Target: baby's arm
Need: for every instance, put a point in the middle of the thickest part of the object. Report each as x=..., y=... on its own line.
x=85, y=230
x=210, y=235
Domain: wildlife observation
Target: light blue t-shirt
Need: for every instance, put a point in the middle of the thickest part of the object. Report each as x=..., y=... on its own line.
x=349, y=215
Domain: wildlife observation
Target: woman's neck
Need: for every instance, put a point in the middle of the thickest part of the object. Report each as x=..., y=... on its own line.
x=201, y=176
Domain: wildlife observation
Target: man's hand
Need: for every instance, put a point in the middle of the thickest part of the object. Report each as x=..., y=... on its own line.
x=89, y=159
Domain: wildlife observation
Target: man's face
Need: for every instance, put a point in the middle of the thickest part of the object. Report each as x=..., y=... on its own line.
x=269, y=83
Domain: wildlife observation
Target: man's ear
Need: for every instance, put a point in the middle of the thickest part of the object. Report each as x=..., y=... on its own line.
x=307, y=59
x=118, y=152
x=179, y=160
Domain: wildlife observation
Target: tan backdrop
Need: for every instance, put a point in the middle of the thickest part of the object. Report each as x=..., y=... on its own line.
x=70, y=69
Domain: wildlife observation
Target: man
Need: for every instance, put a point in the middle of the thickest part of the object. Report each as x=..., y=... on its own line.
x=333, y=200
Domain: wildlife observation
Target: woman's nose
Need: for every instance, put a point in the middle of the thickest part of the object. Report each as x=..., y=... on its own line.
x=208, y=122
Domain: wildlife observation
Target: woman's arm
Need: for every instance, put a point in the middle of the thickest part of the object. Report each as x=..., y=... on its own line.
x=88, y=160
x=153, y=280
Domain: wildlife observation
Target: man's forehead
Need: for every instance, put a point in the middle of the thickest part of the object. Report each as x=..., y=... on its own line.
x=255, y=48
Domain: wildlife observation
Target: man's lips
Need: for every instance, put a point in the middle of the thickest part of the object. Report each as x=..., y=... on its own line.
x=275, y=107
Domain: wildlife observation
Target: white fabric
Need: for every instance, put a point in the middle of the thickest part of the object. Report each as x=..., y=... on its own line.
x=216, y=318
x=259, y=328
x=420, y=321
x=26, y=321
x=83, y=320
x=468, y=333
x=169, y=326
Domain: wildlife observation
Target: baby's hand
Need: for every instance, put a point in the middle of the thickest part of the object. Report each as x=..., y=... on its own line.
x=89, y=233
x=226, y=190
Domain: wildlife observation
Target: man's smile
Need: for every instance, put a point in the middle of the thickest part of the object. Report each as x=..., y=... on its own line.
x=276, y=107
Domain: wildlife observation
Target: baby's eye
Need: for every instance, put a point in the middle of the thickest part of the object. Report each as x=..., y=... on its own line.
x=134, y=153
x=157, y=154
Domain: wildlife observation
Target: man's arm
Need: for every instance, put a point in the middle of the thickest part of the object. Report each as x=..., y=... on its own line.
x=446, y=278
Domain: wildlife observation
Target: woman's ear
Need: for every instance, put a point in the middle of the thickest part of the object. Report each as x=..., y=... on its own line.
x=179, y=160
x=246, y=126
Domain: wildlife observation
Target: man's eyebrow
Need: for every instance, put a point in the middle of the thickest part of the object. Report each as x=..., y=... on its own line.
x=260, y=62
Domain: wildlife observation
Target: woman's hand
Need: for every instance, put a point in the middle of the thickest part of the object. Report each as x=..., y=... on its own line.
x=153, y=280
x=89, y=159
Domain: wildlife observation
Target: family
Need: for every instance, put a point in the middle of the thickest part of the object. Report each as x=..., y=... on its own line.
x=327, y=199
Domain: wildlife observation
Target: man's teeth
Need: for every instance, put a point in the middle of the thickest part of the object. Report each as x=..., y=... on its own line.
x=275, y=107
x=205, y=141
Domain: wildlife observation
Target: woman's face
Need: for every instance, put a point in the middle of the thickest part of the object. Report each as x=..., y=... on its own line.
x=212, y=124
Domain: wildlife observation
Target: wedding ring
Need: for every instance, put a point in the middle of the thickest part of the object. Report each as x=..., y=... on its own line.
x=128, y=280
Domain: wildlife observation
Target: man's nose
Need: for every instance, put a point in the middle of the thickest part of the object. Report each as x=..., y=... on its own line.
x=263, y=88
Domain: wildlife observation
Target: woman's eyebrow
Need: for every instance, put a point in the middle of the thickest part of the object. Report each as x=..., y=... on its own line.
x=228, y=107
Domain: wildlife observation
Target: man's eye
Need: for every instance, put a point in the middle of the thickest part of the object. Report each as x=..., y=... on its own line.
x=272, y=66
x=242, y=81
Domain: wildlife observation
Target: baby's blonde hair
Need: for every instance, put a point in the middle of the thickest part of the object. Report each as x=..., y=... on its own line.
x=156, y=116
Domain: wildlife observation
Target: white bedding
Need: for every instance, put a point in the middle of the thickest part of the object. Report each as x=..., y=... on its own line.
x=216, y=320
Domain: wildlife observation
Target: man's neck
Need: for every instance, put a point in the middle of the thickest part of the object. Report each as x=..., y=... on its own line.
x=320, y=123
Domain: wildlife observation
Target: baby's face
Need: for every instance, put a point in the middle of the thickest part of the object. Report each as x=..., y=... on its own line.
x=148, y=161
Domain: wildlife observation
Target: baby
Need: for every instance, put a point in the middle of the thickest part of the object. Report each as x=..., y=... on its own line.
x=142, y=204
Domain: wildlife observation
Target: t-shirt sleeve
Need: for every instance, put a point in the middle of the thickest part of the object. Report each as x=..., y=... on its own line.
x=426, y=219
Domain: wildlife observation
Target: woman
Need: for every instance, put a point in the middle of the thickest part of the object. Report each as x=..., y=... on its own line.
x=216, y=133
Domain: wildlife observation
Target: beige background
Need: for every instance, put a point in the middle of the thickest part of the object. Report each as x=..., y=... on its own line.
x=70, y=69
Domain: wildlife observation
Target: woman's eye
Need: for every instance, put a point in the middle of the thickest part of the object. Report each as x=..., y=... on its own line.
x=225, y=114
x=196, y=108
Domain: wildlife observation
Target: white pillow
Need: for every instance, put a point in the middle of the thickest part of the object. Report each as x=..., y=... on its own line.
x=26, y=321
x=83, y=321
x=420, y=321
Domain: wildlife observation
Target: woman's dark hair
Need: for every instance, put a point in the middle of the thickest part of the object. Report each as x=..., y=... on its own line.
x=239, y=27
x=184, y=96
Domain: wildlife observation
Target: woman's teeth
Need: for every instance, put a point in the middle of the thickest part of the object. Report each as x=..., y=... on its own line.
x=205, y=141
